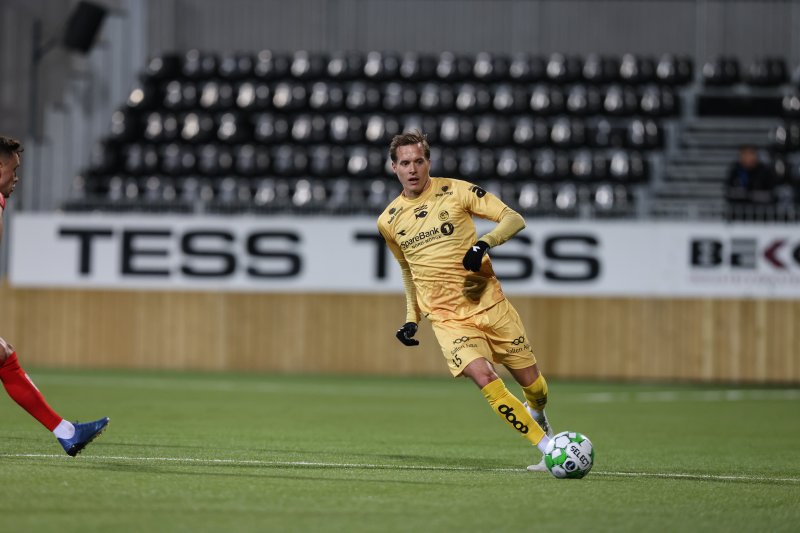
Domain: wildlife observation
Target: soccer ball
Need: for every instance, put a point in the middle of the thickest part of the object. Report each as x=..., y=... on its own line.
x=569, y=455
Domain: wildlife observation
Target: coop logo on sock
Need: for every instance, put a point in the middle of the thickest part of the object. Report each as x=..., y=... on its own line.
x=508, y=412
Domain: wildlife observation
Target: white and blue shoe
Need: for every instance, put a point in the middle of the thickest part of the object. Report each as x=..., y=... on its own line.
x=84, y=434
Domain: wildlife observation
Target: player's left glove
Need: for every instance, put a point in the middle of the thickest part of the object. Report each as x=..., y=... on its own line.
x=406, y=332
x=474, y=256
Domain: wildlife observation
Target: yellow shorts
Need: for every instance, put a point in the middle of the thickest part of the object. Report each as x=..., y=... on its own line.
x=497, y=332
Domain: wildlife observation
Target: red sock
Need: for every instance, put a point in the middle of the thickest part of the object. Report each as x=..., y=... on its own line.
x=22, y=390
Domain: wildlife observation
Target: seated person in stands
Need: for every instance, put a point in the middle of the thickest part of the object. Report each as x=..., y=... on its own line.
x=749, y=184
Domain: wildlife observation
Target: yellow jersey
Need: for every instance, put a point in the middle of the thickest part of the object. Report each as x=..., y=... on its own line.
x=429, y=236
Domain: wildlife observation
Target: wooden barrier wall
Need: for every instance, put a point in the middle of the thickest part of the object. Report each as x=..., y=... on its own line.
x=610, y=338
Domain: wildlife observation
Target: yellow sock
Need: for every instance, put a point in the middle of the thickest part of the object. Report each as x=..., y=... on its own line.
x=512, y=411
x=536, y=393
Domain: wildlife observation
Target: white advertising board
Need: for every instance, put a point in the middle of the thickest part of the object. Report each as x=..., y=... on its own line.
x=346, y=254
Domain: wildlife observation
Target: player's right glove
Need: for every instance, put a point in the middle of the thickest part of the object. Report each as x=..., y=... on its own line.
x=406, y=332
x=474, y=256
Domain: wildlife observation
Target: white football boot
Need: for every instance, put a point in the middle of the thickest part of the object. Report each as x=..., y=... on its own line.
x=541, y=418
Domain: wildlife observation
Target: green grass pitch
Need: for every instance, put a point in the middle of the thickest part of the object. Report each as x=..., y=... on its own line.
x=208, y=452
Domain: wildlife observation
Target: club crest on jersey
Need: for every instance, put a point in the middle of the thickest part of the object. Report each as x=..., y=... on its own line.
x=443, y=215
x=445, y=192
x=393, y=212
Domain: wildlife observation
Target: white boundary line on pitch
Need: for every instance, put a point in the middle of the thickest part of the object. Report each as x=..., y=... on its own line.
x=373, y=466
x=224, y=385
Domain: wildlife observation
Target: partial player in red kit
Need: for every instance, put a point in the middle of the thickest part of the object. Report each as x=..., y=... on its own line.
x=73, y=437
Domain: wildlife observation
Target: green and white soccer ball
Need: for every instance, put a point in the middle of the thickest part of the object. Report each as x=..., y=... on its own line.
x=569, y=455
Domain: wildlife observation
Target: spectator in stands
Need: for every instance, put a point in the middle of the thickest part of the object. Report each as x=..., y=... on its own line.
x=749, y=186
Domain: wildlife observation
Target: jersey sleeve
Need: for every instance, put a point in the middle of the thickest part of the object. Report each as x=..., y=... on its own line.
x=412, y=307
x=486, y=205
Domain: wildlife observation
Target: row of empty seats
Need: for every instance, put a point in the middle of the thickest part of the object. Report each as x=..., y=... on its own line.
x=341, y=196
x=361, y=161
x=446, y=66
x=401, y=97
x=347, y=129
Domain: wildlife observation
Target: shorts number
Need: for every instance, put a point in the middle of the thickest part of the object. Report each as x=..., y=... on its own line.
x=457, y=360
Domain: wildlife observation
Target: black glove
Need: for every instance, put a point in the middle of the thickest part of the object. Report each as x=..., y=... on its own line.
x=405, y=333
x=474, y=256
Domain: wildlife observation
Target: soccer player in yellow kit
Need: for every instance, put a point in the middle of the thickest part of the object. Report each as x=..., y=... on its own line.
x=448, y=278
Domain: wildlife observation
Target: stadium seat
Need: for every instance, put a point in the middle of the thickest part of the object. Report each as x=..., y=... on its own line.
x=307, y=65
x=365, y=162
x=636, y=70
x=361, y=97
x=345, y=66
x=417, y=67
x=199, y=65
x=527, y=69
x=252, y=95
x=382, y=66
x=381, y=128
x=644, y=134
x=160, y=127
x=180, y=95
x=472, y=98
x=766, y=72
x=289, y=160
x=509, y=98
x=270, y=128
x=140, y=159
x=326, y=96
x=475, y=163
x=566, y=199
x=444, y=162
x=177, y=159
x=344, y=128
x=236, y=66
x=308, y=128
x=456, y=130
x=491, y=130
x=620, y=100
x=722, y=71
x=271, y=66
x=674, y=70
x=104, y=158
x=489, y=67
x=567, y=133
x=563, y=69
x=144, y=96
x=289, y=96
x=327, y=161
x=599, y=70
x=234, y=127
x=513, y=164
x=583, y=100
x=529, y=131
x=216, y=96
x=582, y=166
x=453, y=68
x=251, y=160
x=214, y=159
x=164, y=67
x=602, y=134
x=658, y=101
x=790, y=105
x=435, y=97
x=399, y=97
x=546, y=100
x=786, y=137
